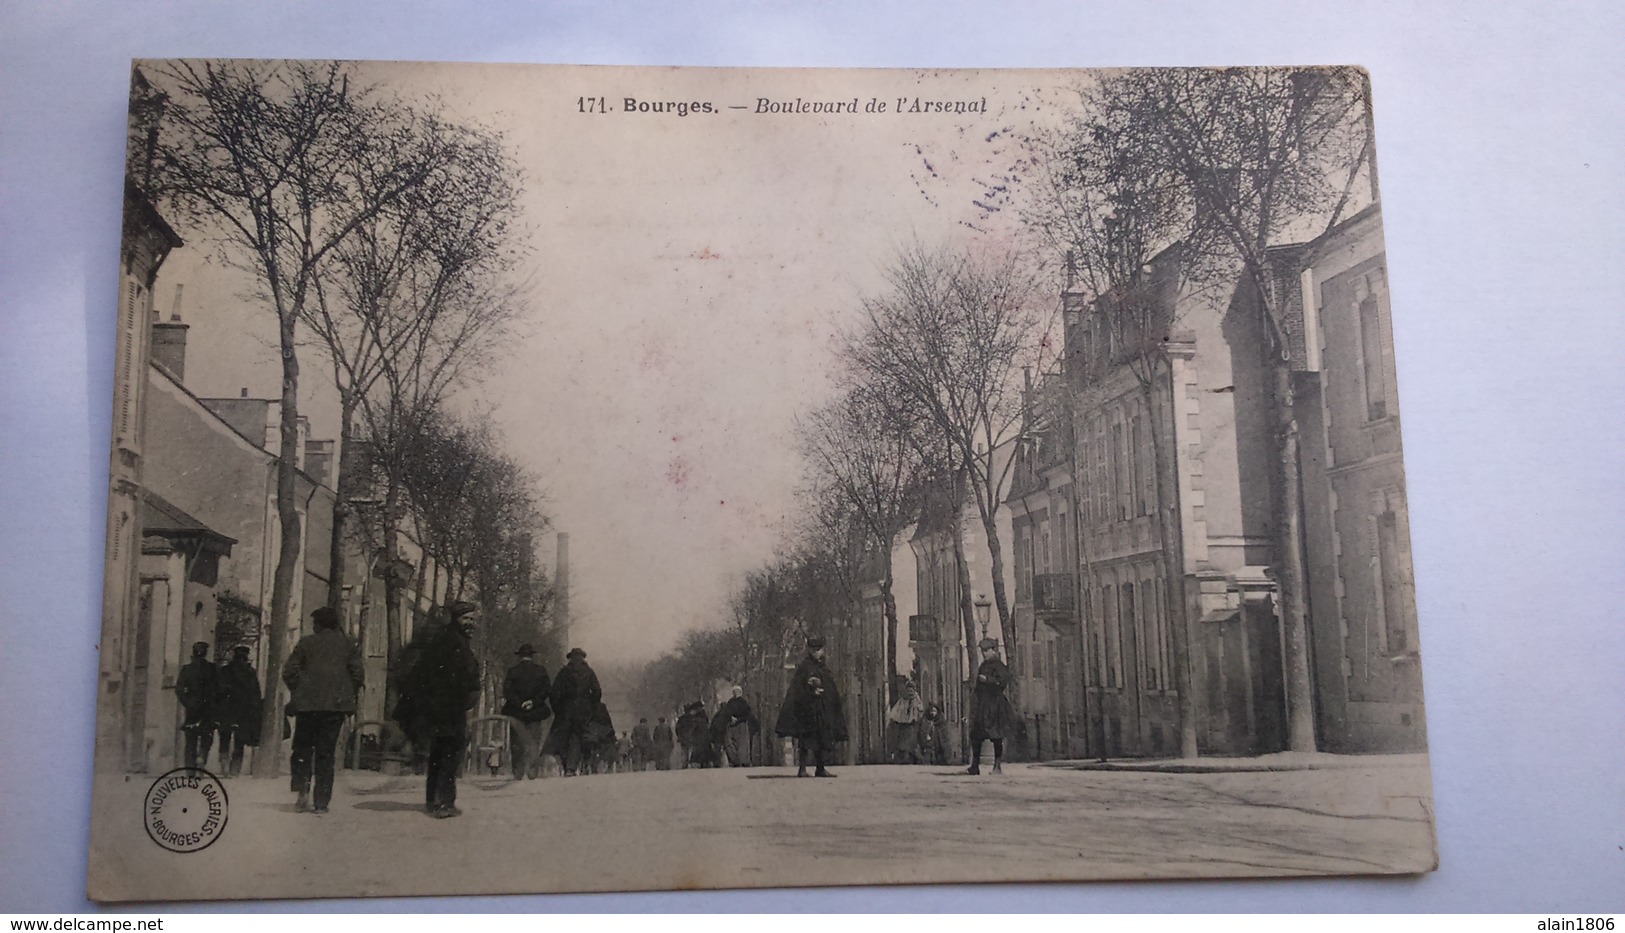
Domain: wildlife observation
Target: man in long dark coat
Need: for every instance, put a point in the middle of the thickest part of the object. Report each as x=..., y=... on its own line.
x=575, y=696
x=323, y=674
x=197, y=686
x=443, y=686
x=524, y=698
x=693, y=729
x=992, y=718
x=643, y=747
x=812, y=713
x=239, y=711
x=741, y=725
x=661, y=744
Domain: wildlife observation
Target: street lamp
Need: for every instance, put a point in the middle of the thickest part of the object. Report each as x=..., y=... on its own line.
x=983, y=609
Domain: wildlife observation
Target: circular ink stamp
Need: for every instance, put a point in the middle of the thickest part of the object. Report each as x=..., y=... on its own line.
x=185, y=810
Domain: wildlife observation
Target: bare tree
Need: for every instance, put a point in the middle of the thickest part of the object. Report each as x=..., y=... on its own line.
x=418, y=288
x=860, y=451
x=266, y=156
x=950, y=340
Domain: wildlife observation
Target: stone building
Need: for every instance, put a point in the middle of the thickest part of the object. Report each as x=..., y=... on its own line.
x=122, y=694
x=1047, y=656
x=1362, y=599
x=1173, y=526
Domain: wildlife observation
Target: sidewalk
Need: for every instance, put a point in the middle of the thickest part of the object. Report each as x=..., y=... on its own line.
x=1279, y=761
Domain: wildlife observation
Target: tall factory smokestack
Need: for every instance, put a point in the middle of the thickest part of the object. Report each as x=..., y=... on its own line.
x=561, y=581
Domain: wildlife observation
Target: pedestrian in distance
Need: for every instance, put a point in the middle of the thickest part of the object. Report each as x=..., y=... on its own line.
x=934, y=736
x=623, y=752
x=716, y=738
x=642, y=745
x=240, y=706
x=903, y=726
x=661, y=744
x=524, y=701
x=443, y=686
x=691, y=729
x=197, y=686
x=993, y=719
x=323, y=674
x=575, y=697
x=812, y=713
x=741, y=726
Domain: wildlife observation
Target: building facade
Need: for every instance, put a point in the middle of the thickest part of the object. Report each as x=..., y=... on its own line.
x=1362, y=596
x=1171, y=441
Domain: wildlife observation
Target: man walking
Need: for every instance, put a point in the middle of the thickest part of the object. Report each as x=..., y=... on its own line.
x=445, y=685
x=812, y=713
x=524, y=698
x=197, y=686
x=576, y=695
x=741, y=725
x=642, y=745
x=992, y=717
x=239, y=713
x=661, y=742
x=691, y=726
x=323, y=674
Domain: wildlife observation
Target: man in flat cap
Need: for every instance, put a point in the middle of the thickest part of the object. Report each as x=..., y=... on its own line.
x=575, y=697
x=812, y=712
x=445, y=685
x=992, y=718
x=323, y=674
x=197, y=686
x=524, y=699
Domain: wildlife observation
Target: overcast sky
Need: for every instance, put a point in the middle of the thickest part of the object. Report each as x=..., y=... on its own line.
x=690, y=273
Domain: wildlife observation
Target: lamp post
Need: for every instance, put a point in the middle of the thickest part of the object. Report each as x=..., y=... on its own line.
x=984, y=609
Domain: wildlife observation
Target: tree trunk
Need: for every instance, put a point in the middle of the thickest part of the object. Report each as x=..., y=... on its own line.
x=392, y=594
x=889, y=602
x=267, y=760
x=1173, y=565
x=341, y=504
x=995, y=552
x=1291, y=577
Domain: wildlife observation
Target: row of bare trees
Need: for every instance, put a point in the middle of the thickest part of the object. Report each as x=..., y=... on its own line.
x=1163, y=184
x=381, y=235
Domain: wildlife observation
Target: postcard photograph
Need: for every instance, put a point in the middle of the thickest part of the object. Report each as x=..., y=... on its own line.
x=532, y=479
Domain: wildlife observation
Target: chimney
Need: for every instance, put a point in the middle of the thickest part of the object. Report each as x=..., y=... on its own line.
x=169, y=341
x=319, y=461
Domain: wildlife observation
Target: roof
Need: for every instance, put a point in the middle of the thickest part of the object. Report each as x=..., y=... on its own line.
x=164, y=518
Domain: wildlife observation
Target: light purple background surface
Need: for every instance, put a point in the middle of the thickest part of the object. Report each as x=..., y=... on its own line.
x=1500, y=133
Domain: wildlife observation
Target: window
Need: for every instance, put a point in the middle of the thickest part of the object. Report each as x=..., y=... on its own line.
x=1103, y=487
x=1141, y=467
x=1063, y=551
x=1120, y=474
x=1128, y=620
x=1395, y=599
x=1114, y=636
x=1376, y=347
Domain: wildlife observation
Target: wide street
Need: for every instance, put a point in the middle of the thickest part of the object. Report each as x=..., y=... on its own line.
x=760, y=827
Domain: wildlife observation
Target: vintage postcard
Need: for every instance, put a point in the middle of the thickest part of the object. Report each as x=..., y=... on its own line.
x=560, y=479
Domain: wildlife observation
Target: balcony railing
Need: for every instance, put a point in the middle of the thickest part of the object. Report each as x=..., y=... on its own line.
x=1053, y=592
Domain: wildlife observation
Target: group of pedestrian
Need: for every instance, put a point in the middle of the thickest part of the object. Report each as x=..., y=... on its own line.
x=440, y=684
x=709, y=740
x=219, y=700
